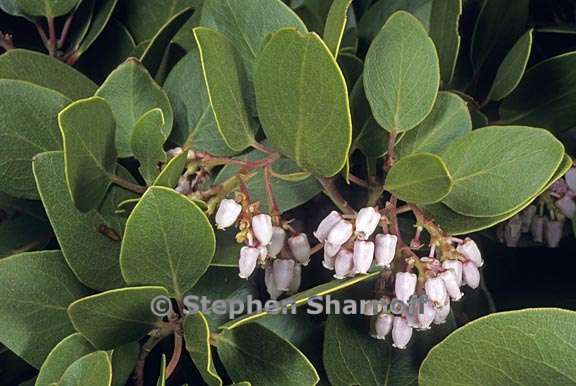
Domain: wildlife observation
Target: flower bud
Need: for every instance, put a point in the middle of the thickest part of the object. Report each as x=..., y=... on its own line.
x=300, y=248
x=328, y=261
x=174, y=152
x=227, y=213
x=340, y=233
x=283, y=273
x=262, y=227
x=567, y=206
x=277, y=242
x=537, y=229
x=513, y=231
x=366, y=222
x=296, y=279
x=385, y=249
x=443, y=312
x=451, y=284
x=184, y=185
x=248, y=259
x=570, y=178
x=270, y=284
x=363, y=255
x=436, y=291
x=405, y=285
x=344, y=264
x=426, y=316
x=326, y=225
x=401, y=332
x=470, y=275
x=382, y=325
x=527, y=216
x=456, y=267
x=470, y=250
x=553, y=232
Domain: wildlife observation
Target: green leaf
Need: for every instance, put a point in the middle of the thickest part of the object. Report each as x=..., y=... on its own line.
x=45, y=71
x=162, y=377
x=197, y=337
x=28, y=127
x=91, y=255
x=88, y=129
x=93, y=369
x=498, y=26
x=497, y=168
x=444, y=24
x=420, y=178
x=116, y=317
x=302, y=298
x=194, y=123
x=303, y=102
x=248, y=24
x=402, y=75
x=512, y=68
x=546, y=96
x=288, y=194
x=124, y=360
x=171, y=172
x=373, y=139
x=449, y=119
x=457, y=224
x=228, y=89
x=335, y=25
x=131, y=93
x=147, y=144
x=40, y=284
x=48, y=8
x=65, y=353
x=256, y=353
x=10, y=7
x=526, y=347
x=97, y=25
x=154, y=53
x=168, y=242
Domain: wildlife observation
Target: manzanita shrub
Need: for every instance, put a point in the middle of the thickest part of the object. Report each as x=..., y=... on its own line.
x=258, y=192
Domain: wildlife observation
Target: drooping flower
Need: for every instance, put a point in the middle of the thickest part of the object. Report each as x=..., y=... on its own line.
x=470, y=250
x=363, y=255
x=366, y=222
x=227, y=213
x=248, y=260
x=326, y=225
x=262, y=227
x=401, y=332
x=300, y=248
x=470, y=275
x=283, y=270
x=385, y=249
x=277, y=241
x=405, y=285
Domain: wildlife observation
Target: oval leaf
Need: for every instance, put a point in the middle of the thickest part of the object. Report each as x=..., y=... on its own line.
x=489, y=168
x=147, y=141
x=116, y=317
x=528, y=347
x=402, y=74
x=228, y=88
x=168, y=242
x=303, y=102
x=48, y=8
x=335, y=25
x=91, y=370
x=197, y=337
x=131, y=93
x=421, y=178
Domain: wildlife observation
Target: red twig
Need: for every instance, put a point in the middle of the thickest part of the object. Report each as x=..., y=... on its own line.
x=52, y=43
x=176, y=354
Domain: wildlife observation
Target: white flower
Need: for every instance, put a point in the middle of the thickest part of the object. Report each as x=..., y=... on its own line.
x=326, y=225
x=470, y=275
x=470, y=250
x=436, y=291
x=283, y=273
x=271, y=287
x=405, y=285
x=344, y=264
x=443, y=312
x=553, y=232
x=451, y=284
x=382, y=325
x=300, y=248
x=385, y=249
x=537, y=229
x=401, y=333
x=227, y=213
x=567, y=206
x=340, y=233
x=456, y=267
x=331, y=250
x=329, y=260
x=248, y=259
x=363, y=255
x=366, y=222
x=426, y=316
x=262, y=228
x=296, y=279
x=571, y=179
x=277, y=242
x=527, y=216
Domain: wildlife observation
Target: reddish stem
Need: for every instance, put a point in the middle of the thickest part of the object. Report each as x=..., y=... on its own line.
x=176, y=354
x=65, y=31
x=52, y=43
x=272, y=203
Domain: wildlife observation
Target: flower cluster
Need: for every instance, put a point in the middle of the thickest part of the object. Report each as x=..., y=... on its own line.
x=266, y=245
x=545, y=219
x=348, y=248
x=440, y=281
